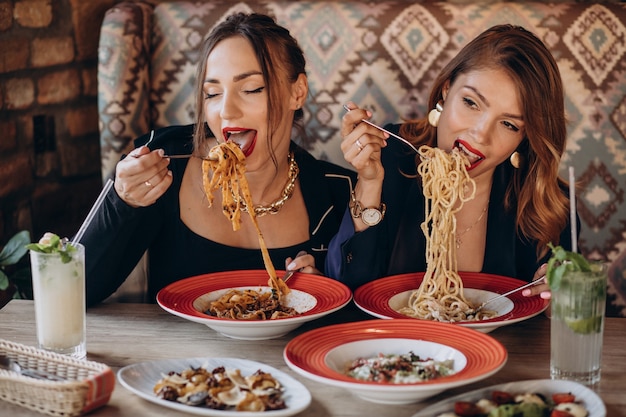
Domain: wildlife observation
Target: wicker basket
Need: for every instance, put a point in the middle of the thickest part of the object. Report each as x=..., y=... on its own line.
x=89, y=384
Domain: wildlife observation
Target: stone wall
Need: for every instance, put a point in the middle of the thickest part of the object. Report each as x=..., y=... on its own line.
x=49, y=141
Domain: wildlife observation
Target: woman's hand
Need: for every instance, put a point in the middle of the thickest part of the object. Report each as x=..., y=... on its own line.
x=142, y=177
x=542, y=289
x=361, y=144
x=303, y=262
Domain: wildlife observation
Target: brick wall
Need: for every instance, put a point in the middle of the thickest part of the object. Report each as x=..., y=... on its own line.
x=49, y=141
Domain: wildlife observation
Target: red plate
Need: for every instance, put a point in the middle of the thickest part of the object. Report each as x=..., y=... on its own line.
x=373, y=297
x=307, y=354
x=179, y=296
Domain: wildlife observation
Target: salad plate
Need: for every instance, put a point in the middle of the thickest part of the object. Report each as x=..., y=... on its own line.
x=313, y=296
x=324, y=355
x=140, y=379
x=546, y=387
x=383, y=298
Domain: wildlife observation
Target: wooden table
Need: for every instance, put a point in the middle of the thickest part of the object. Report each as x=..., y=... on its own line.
x=123, y=334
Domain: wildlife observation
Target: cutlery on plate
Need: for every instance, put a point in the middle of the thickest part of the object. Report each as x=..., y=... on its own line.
x=497, y=297
x=290, y=273
x=12, y=365
x=406, y=142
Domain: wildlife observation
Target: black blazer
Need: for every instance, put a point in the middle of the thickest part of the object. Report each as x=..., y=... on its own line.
x=119, y=234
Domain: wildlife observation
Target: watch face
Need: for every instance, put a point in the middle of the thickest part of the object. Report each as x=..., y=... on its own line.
x=371, y=216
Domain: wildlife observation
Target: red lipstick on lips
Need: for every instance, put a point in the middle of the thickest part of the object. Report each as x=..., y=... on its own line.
x=474, y=156
x=247, y=145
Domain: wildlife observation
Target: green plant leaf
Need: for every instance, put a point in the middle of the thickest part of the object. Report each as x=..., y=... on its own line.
x=15, y=248
x=4, y=281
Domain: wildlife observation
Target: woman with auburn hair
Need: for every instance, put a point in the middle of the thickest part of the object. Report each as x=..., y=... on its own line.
x=500, y=102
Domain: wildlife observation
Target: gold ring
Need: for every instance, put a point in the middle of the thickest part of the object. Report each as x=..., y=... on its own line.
x=148, y=184
x=359, y=145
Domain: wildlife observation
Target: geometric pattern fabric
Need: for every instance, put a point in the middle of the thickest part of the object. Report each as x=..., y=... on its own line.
x=384, y=56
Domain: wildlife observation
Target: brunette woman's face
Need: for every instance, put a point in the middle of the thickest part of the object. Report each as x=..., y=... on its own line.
x=236, y=97
x=482, y=116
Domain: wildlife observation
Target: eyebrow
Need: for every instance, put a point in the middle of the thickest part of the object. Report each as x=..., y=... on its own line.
x=483, y=98
x=236, y=78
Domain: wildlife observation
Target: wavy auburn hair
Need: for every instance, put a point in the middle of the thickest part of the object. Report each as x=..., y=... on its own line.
x=536, y=188
x=278, y=53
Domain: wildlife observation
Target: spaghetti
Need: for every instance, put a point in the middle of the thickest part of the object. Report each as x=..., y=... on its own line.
x=446, y=187
x=225, y=170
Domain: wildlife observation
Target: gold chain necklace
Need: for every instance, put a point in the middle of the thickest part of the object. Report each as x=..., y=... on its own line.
x=458, y=235
x=286, y=194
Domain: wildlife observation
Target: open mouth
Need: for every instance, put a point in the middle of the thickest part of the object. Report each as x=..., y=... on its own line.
x=245, y=138
x=473, y=156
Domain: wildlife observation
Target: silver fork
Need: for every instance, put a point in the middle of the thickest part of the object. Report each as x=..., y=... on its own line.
x=406, y=142
x=289, y=274
x=497, y=297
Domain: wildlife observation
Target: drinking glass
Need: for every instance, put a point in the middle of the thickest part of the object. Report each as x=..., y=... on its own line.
x=59, y=297
x=577, y=325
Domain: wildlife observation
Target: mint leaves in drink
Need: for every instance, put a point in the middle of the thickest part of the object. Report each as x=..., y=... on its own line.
x=52, y=243
x=577, y=291
x=563, y=261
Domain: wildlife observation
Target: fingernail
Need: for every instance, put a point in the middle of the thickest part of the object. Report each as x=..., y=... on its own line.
x=161, y=152
x=291, y=266
x=526, y=292
x=546, y=295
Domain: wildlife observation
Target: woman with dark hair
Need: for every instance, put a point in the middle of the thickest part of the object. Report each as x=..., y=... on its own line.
x=251, y=86
x=499, y=101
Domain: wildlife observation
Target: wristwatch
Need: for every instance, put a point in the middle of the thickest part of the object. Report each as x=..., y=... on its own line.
x=371, y=216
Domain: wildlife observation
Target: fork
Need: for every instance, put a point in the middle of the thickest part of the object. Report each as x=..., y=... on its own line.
x=406, y=142
x=290, y=273
x=497, y=297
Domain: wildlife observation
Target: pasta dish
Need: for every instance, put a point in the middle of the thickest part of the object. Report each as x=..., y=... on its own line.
x=446, y=186
x=224, y=170
x=405, y=368
x=222, y=389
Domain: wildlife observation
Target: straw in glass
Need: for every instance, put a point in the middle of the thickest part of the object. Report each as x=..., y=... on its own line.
x=572, y=209
x=92, y=212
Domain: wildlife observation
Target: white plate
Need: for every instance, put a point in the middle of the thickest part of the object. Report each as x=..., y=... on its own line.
x=140, y=378
x=547, y=387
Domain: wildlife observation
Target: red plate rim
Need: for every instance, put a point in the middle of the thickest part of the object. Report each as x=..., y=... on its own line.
x=375, y=295
x=484, y=354
x=179, y=296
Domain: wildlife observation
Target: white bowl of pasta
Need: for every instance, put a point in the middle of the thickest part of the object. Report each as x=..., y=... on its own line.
x=310, y=297
x=395, y=361
x=386, y=298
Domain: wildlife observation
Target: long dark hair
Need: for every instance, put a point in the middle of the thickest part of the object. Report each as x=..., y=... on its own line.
x=278, y=53
x=541, y=205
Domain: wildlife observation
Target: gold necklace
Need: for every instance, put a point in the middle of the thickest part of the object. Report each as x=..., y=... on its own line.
x=458, y=235
x=286, y=194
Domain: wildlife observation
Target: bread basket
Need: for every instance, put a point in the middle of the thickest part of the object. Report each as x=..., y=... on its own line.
x=87, y=385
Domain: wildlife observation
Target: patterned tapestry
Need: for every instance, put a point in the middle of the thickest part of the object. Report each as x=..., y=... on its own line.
x=384, y=55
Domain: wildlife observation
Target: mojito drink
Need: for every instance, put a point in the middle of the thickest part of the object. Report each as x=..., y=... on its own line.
x=59, y=296
x=577, y=325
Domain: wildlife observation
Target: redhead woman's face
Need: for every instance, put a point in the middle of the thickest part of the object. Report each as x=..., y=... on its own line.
x=483, y=117
x=235, y=99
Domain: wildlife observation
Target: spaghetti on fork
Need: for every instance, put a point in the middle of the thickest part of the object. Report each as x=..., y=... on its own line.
x=225, y=170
